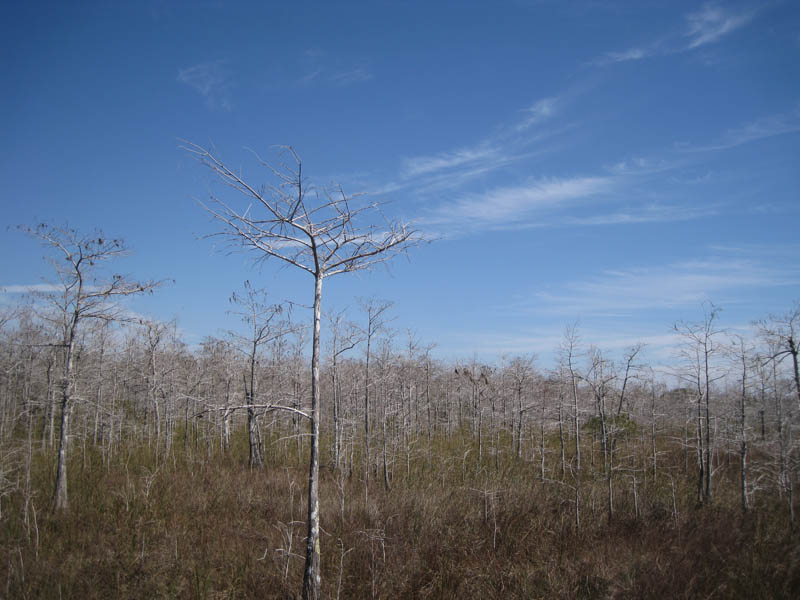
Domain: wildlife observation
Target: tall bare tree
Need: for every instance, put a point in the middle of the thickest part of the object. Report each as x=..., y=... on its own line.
x=260, y=318
x=376, y=324
x=783, y=331
x=599, y=378
x=568, y=351
x=698, y=351
x=345, y=337
x=81, y=293
x=319, y=231
x=521, y=370
x=740, y=353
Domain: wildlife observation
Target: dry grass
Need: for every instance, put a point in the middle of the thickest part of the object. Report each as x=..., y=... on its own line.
x=200, y=527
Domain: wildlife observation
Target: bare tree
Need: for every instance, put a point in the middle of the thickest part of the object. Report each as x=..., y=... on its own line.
x=258, y=315
x=740, y=353
x=782, y=332
x=773, y=385
x=80, y=294
x=599, y=379
x=318, y=231
x=630, y=357
x=345, y=337
x=376, y=324
x=698, y=350
x=156, y=333
x=568, y=351
x=521, y=370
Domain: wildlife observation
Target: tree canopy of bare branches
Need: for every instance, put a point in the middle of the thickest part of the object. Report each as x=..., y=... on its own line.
x=82, y=293
x=321, y=231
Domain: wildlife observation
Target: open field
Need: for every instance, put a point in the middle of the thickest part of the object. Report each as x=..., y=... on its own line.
x=201, y=524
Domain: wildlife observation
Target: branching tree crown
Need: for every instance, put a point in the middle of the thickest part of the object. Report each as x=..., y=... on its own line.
x=320, y=231
x=82, y=293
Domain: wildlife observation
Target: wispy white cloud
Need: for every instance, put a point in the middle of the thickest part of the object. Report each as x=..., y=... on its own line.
x=625, y=291
x=617, y=308
x=540, y=111
x=491, y=152
x=319, y=69
x=212, y=80
x=642, y=166
x=351, y=76
x=712, y=22
x=545, y=342
x=581, y=201
x=424, y=165
x=643, y=214
x=624, y=56
x=437, y=179
x=29, y=288
x=763, y=127
x=309, y=78
x=706, y=26
x=450, y=170
x=513, y=206
x=632, y=54
x=770, y=253
x=320, y=76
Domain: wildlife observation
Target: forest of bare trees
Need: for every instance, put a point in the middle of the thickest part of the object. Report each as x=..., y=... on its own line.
x=606, y=440
x=338, y=451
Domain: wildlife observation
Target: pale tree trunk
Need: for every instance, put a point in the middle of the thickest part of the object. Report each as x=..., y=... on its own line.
x=796, y=369
x=255, y=456
x=428, y=397
x=519, y=421
x=50, y=406
x=561, y=434
x=541, y=437
x=386, y=482
x=653, y=431
x=708, y=432
x=312, y=576
x=790, y=475
x=577, y=448
x=341, y=342
x=743, y=431
x=366, y=413
x=700, y=451
x=743, y=459
x=60, y=495
x=337, y=433
x=608, y=456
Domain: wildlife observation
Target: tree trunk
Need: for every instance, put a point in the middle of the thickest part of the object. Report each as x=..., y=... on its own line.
x=561, y=436
x=743, y=431
x=386, y=482
x=255, y=456
x=577, y=450
x=700, y=452
x=519, y=422
x=337, y=435
x=793, y=350
x=366, y=410
x=60, y=494
x=708, y=432
x=312, y=576
x=653, y=435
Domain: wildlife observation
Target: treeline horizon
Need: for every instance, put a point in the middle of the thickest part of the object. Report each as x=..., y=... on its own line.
x=593, y=450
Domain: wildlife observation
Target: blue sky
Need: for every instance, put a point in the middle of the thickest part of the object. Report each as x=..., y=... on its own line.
x=611, y=163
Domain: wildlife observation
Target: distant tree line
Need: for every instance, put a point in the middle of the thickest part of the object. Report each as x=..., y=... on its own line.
x=387, y=402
